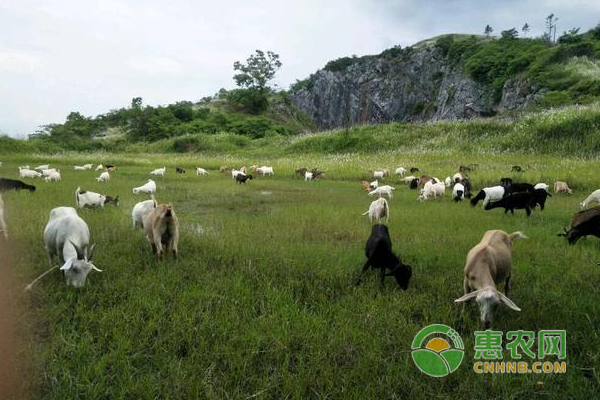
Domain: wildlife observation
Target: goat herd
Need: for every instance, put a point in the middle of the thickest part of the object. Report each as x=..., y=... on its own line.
x=67, y=236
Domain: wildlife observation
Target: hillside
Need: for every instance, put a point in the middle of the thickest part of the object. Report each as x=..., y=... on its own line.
x=453, y=77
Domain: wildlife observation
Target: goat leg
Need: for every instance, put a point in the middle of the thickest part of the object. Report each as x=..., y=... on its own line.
x=365, y=268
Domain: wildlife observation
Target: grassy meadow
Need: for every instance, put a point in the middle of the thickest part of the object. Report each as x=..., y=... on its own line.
x=260, y=303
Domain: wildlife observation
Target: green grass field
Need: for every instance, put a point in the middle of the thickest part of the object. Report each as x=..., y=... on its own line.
x=260, y=303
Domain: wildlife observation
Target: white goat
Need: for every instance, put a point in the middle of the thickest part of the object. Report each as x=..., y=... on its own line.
x=67, y=237
x=488, y=194
x=488, y=264
x=201, y=171
x=148, y=188
x=2, y=223
x=104, y=177
x=432, y=190
x=140, y=210
x=28, y=173
x=78, y=168
x=53, y=176
x=159, y=171
x=385, y=190
x=42, y=167
x=448, y=181
x=458, y=192
x=378, y=174
x=90, y=199
x=24, y=167
x=400, y=171
x=409, y=179
x=308, y=176
x=100, y=167
x=87, y=167
x=48, y=171
x=235, y=172
x=592, y=198
x=542, y=186
x=265, y=170
x=456, y=176
x=374, y=184
x=378, y=209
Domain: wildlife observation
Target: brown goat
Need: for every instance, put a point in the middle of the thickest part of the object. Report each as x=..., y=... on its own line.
x=162, y=229
x=366, y=186
x=224, y=168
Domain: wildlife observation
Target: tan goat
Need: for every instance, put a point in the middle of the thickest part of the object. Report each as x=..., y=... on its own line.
x=488, y=264
x=162, y=229
x=562, y=187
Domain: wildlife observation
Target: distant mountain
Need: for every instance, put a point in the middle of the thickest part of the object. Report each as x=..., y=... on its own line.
x=453, y=77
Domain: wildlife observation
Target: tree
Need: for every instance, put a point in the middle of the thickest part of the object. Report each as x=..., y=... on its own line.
x=136, y=102
x=570, y=36
x=488, y=30
x=550, y=34
x=509, y=34
x=253, y=78
x=258, y=70
x=525, y=29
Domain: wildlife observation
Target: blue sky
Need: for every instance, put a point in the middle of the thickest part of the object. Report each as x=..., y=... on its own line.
x=58, y=56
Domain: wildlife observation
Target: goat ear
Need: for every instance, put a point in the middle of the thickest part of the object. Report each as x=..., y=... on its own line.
x=508, y=302
x=67, y=264
x=80, y=255
x=467, y=296
x=90, y=251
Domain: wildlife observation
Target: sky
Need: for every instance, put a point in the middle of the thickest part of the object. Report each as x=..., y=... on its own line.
x=58, y=56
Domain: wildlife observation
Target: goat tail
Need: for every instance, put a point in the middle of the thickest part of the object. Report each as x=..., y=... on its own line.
x=517, y=235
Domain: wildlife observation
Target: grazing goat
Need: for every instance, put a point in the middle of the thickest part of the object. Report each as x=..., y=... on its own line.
x=301, y=171
x=380, y=256
x=87, y=167
x=562, y=187
x=224, y=168
x=100, y=167
x=54, y=176
x=384, y=190
x=457, y=177
x=448, y=181
x=308, y=176
x=519, y=201
x=2, y=223
x=408, y=179
x=413, y=170
x=583, y=223
x=488, y=194
x=42, y=167
x=162, y=229
x=104, y=177
x=592, y=198
x=463, y=169
x=365, y=185
x=148, y=188
x=201, y=171
x=242, y=178
x=374, y=184
x=67, y=237
x=141, y=209
x=89, y=199
x=79, y=168
x=432, y=190
x=179, y=170
x=49, y=171
x=458, y=192
x=378, y=209
x=110, y=167
x=414, y=183
x=13, y=184
x=539, y=197
x=235, y=173
x=159, y=171
x=512, y=187
x=400, y=171
x=488, y=264
x=28, y=173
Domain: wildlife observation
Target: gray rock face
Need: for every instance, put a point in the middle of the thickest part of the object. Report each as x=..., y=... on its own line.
x=418, y=86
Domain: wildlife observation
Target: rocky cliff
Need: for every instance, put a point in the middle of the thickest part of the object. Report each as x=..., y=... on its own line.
x=413, y=84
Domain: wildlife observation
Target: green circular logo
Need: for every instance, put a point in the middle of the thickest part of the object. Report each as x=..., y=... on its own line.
x=434, y=355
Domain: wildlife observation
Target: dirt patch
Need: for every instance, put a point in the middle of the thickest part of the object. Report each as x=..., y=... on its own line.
x=12, y=354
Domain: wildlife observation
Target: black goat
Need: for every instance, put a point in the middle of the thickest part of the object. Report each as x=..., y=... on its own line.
x=13, y=184
x=516, y=168
x=519, y=201
x=512, y=187
x=379, y=255
x=413, y=170
x=241, y=178
x=414, y=183
x=583, y=223
x=467, y=184
x=179, y=170
x=539, y=198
